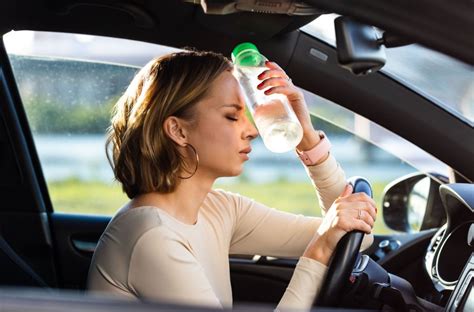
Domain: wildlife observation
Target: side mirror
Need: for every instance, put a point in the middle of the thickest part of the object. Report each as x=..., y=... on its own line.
x=358, y=47
x=412, y=203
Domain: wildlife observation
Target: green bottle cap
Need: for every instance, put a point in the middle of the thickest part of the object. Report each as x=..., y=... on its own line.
x=252, y=59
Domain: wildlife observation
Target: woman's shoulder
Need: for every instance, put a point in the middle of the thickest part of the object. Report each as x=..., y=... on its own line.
x=230, y=202
x=146, y=215
x=229, y=196
x=122, y=234
x=220, y=198
x=224, y=194
x=139, y=220
x=128, y=225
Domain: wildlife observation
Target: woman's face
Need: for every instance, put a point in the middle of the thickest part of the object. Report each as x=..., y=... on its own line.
x=222, y=132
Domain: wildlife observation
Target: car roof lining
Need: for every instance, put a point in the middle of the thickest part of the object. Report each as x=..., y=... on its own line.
x=434, y=23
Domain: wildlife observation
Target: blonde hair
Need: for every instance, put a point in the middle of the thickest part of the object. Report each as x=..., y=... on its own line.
x=143, y=157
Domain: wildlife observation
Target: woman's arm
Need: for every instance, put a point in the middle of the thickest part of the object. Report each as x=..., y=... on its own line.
x=326, y=174
x=329, y=181
x=261, y=230
x=256, y=221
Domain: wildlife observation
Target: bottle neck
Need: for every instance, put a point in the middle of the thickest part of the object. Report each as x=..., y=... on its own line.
x=249, y=57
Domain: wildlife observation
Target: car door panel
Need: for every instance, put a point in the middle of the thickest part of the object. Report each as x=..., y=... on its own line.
x=73, y=236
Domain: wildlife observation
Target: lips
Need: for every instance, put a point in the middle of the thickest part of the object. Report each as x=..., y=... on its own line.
x=246, y=150
x=245, y=153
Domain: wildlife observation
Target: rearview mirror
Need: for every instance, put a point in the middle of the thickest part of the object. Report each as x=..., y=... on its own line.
x=412, y=203
x=358, y=46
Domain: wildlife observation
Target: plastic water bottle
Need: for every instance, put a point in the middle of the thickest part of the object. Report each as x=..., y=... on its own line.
x=276, y=121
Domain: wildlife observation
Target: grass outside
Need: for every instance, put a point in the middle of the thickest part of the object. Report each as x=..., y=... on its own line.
x=74, y=196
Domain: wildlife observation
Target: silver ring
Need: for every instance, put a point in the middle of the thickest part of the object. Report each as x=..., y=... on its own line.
x=359, y=216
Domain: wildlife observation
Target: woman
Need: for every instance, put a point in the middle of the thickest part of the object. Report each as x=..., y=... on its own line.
x=180, y=125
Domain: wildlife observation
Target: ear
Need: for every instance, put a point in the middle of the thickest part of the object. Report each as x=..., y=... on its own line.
x=174, y=128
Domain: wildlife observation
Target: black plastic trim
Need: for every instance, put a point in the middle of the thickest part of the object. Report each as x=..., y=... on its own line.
x=443, y=25
x=403, y=112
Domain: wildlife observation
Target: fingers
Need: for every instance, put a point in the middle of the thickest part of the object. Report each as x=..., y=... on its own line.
x=273, y=65
x=347, y=190
x=350, y=221
x=360, y=197
x=362, y=226
x=274, y=71
x=276, y=79
x=366, y=210
x=364, y=216
x=269, y=73
x=278, y=82
x=273, y=82
x=286, y=90
x=351, y=214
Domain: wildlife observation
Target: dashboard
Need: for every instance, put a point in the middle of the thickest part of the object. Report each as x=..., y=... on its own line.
x=449, y=259
x=447, y=255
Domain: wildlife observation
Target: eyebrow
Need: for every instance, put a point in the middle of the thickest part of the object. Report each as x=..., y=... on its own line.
x=236, y=106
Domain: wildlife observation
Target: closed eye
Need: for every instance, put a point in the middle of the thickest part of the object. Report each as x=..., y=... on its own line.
x=232, y=118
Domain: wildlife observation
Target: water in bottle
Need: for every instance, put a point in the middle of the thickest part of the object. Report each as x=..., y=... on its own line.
x=275, y=119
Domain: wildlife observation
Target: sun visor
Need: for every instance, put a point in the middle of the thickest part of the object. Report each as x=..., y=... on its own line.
x=222, y=7
x=257, y=20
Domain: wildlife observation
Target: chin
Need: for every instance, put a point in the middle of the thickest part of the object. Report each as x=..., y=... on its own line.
x=234, y=172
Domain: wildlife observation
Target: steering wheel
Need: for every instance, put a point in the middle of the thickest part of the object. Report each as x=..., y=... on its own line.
x=344, y=257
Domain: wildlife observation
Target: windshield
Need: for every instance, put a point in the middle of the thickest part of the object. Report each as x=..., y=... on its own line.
x=444, y=80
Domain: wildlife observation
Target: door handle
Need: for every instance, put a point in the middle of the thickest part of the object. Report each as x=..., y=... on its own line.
x=84, y=246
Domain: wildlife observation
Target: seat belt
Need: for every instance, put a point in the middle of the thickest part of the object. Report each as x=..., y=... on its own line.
x=10, y=253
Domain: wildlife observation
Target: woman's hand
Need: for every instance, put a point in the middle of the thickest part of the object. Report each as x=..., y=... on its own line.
x=277, y=81
x=349, y=212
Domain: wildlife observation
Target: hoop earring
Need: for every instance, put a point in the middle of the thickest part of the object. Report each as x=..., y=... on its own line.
x=197, y=162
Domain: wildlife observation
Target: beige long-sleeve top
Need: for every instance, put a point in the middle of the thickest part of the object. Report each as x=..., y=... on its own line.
x=146, y=253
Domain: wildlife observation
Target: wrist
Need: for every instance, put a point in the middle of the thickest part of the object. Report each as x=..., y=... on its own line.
x=314, y=148
x=310, y=139
x=319, y=252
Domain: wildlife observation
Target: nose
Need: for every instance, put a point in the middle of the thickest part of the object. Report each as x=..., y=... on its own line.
x=251, y=131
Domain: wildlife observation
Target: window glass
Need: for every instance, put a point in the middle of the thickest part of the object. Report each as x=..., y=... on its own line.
x=68, y=92
x=444, y=80
x=68, y=105
x=366, y=149
x=68, y=84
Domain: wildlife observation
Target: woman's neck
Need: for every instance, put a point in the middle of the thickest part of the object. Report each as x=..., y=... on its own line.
x=183, y=204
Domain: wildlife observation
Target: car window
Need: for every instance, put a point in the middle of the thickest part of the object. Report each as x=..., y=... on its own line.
x=444, y=80
x=68, y=84
x=68, y=94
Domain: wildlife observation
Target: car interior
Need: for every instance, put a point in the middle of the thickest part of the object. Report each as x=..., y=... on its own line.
x=428, y=270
